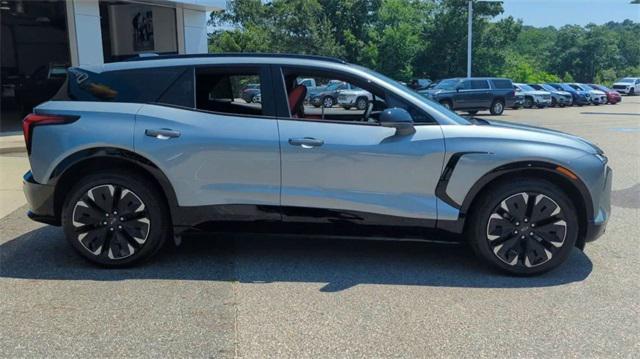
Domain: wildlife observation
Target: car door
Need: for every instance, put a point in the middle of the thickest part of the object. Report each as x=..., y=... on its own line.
x=358, y=168
x=463, y=97
x=216, y=149
x=481, y=93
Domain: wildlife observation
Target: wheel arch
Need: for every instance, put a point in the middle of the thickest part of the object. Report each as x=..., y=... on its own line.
x=573, y=187
x=70, y=170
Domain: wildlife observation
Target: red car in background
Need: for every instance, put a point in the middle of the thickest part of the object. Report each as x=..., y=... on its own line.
x=613, y=97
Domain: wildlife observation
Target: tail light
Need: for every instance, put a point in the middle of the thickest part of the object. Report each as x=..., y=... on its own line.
x=32, y=120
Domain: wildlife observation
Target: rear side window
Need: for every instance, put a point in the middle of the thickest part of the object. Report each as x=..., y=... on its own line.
x=224, y=90
x=502, y=84
x=139, y=85
x=479, y=84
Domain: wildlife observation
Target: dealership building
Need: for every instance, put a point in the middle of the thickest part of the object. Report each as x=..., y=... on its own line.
x=41, y=38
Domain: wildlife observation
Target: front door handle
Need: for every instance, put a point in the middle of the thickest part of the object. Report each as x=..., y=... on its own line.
x=307, y=142
x=162, y=134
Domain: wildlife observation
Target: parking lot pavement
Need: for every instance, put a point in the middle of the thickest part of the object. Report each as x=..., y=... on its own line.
x=248, y=296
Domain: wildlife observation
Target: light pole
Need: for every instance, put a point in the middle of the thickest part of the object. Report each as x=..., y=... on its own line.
x=470, y=33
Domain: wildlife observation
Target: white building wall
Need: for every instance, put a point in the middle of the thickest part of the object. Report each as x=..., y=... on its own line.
x=85, y=37
x=195, y=31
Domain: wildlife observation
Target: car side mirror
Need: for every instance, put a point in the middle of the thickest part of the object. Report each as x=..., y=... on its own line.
x=399, y=119
x=458, y=88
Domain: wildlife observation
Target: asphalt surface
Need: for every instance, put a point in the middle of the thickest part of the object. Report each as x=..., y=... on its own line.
x=244, y=296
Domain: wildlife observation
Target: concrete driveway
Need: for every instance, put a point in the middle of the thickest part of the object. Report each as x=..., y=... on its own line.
x=248, y=296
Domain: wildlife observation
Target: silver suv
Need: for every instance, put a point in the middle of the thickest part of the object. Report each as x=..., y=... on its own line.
x=129, y=155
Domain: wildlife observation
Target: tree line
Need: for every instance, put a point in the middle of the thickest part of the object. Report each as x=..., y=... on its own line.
x=407, y=39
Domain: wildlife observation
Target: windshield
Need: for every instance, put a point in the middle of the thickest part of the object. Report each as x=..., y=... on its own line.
x=548, y=87
x=446, y=85
x=415, y=95
x=524, y=87
x=627, y=80
x=575, y=87
x=335, y=86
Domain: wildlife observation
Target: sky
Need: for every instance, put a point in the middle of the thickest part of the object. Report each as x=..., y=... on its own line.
x=541, y=13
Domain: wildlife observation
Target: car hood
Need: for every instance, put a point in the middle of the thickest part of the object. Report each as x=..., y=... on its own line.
x=542, y=134
x=597, y=92
x=434, y=91
x=623, y=83
x=562, y=93
x=536, y=93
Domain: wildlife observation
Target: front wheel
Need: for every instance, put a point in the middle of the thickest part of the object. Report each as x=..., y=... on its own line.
x=362, y=103
x=328, y=102
x=523, y=227
x=447, y=105
x=115, y=219
x=528, y=102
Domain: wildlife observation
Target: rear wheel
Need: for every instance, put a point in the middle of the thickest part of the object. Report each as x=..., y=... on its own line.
x=497, y=107
x=447, y=105
x=523, y=227
x=115, y=219
x=554, y=102
x=472, y=112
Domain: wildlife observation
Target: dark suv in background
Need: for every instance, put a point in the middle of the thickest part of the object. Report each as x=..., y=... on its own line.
x=474, y=94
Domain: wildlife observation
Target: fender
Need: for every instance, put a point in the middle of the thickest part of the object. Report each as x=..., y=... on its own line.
x=119, y=154
x=457, y=226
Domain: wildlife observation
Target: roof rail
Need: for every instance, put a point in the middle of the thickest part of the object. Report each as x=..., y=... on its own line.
x=150, y=57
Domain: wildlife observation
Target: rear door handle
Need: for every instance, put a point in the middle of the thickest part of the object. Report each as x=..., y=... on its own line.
x=307, y=142
x=162, y=134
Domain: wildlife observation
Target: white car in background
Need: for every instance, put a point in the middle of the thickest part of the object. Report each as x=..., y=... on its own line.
x=533, y=97
x=627, y=85
x=355, y=97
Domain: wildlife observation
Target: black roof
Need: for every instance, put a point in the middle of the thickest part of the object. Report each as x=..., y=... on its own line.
x=153, y=56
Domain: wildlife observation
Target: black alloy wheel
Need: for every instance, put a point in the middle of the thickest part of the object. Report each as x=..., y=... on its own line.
x=526, y=229
x=111, y=221
x=523, y=226
x=115, y=219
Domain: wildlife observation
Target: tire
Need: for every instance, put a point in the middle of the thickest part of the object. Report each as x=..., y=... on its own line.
x=472, y=112
x=632, y=91
x=515, y=107
x=497, y=107
x=347, y=107
x=328, y=102
x=362, y=103
x=523, y=250
x=134, y=231
x=447, y=104
x=528, y=102
x=554, y=102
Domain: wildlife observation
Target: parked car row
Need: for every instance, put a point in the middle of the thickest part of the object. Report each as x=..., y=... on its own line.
x=468, y=94
x=495, y=94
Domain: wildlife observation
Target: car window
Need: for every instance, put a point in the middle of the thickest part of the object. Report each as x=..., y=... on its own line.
x=339, y=99
x=229, y=91
x=502, y=84
x=139, y=85
x=479, y=84
x=447, y=84
x=465, y=85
